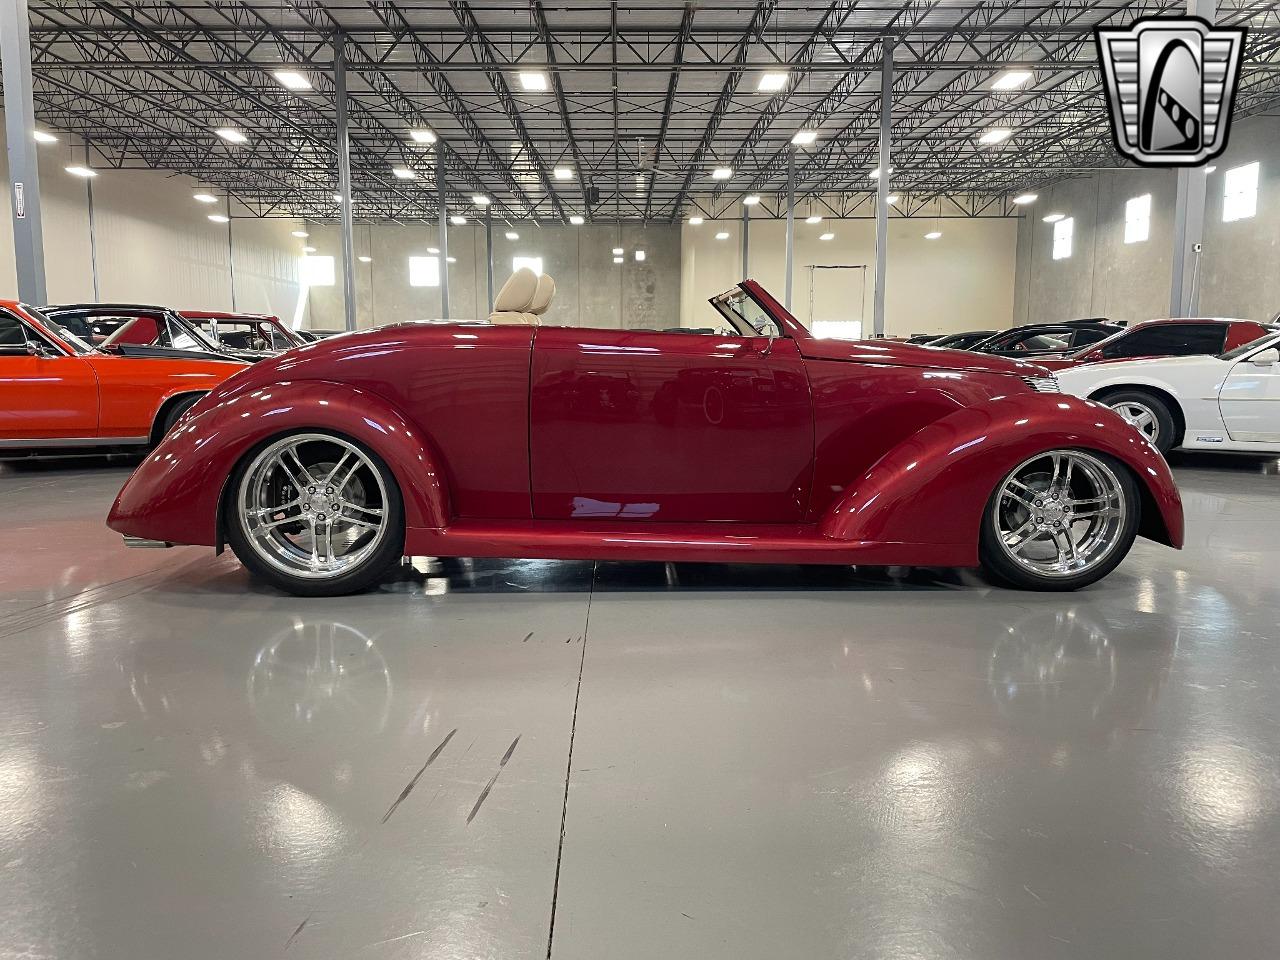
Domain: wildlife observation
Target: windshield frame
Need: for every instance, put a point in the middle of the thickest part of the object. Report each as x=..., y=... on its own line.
x=167, y=316
x=742, y=326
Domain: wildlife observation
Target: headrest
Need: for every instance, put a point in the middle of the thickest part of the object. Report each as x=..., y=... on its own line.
x=517, y=292
x=542, y=299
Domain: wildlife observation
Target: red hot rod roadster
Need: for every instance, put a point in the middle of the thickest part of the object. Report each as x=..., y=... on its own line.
x=755, y=442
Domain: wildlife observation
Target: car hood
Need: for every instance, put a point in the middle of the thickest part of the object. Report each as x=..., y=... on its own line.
x=898, y=354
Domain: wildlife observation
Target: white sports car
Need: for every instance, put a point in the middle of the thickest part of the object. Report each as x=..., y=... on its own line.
x=1228, y=402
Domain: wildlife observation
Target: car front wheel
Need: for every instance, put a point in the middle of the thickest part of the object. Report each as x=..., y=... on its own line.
x=316, y=514
x=1147, y=414
x=1059, y=521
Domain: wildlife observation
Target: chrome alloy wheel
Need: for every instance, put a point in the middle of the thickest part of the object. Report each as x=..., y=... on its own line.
x=1139, y=416
x=1060, y=514
x=313, y=505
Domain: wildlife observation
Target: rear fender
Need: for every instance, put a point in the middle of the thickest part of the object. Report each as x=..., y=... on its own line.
x=175, y=493
x=934, y=487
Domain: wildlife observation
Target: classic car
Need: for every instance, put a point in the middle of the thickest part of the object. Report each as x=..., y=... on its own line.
x=1230, y=402
x=1042, y=340
x=962, y=341
x=1180, y=337
x=258, y=332
x=58, y=392
x=141, y=330
x=324, y=466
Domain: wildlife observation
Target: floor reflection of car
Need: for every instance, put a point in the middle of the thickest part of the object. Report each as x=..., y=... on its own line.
x=261, y=333
x=141, y=330
x=58, y=392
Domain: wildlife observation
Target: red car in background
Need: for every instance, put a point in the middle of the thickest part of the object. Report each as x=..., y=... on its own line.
x=57, y=391
x=246, y=331
x=1179, y=337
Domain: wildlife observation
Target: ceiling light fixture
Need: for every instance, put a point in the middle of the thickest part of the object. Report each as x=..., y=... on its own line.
x=875, y=174
x=563, y=173
x=480, y=200
x=813, y=218
x=577, y=220
x=751, y=200
x=1011, y=80
x=933, y=235
x=457, y=219
x=404, y=173
x=39, y=136
x=422, y=135
x=891, y=199
x=301, y=234
x=308, y=249
x=995, y=135
x=220, y=218
x=803, y=138
x=1025, y=198
x=292, y=80
x=79, y=171
x=827, y=236
x=365, y=259
x=771, y=82
x=639, y=256
x=695, y=221
x=450, y=259
x=533, y=81
x=205, y=197
x=617, y=251
x=1054, y=217
x=722, y=235
x=433, y=250
x=512, y=235
x=617, y=259
x=231, y=135
x=722, y=173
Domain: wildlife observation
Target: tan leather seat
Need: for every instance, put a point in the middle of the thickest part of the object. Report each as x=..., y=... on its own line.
x=513, y=300
x=542, y=299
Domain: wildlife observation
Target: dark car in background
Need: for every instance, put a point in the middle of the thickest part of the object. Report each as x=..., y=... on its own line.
x=1178, y=337
x=1047, y=339
x=962, y=341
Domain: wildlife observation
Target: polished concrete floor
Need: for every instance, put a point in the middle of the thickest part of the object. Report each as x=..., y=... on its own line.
x=523, y=759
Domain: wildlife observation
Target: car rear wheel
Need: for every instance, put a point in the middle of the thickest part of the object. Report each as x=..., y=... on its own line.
x=316, y=514
x=1147, y=414
x=1059, y=521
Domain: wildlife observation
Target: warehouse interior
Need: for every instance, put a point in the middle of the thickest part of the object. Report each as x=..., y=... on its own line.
x=552, y=755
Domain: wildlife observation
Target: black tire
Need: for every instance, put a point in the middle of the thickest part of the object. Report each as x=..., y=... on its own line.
x=1166, y=437
x=174, y=413
x=366, y=574
x=1004, y=571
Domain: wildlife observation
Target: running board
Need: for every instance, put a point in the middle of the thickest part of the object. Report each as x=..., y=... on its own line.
x=720, y=542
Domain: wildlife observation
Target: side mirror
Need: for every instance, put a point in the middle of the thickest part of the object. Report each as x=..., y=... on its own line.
x=1267, y=358
x=37, y=349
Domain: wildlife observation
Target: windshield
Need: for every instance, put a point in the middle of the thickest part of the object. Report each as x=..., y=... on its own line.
x=1249, y=347
x=748, y=318
x=165, y=332
x=66, y=336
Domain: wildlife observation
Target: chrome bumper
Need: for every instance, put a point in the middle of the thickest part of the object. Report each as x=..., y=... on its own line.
x=142, y=542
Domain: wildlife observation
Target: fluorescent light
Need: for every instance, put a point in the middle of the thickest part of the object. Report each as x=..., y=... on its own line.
x=1011, y=80
x=695, y=221
x=563, y=173
x=1054, y=217
x=639, y=256
x=457, y=219
x=39, y=136
x=803, y=138
x=532, y=80
x=404, y=173
x=450, y=259
x=827, y=236
x=722, y=173
x=617, y=251
x=1024, y=198
x=512, y=235
x=722, y=235
x=422, y=135
x=891, y=199
x=617, y=259
x=205, y=197
x=304, y=249
x=577, y=220
x=433, y=249
x=79, y=171
x=933, y=235
x=292, y=79
x=814, y=218
x=365, y=259
x=771, y=82
x=337, y=198
x=231, y=135
x=751, y=201
x=301, y=234
x=219, y=218
x=875, y=174
x=995, y=135
x=480, y=200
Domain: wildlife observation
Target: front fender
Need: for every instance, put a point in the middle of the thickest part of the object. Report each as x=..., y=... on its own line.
x=174, y=494
x=934, y=486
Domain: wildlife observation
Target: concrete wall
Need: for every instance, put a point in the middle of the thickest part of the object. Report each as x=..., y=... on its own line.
x=1104, y=276
x=592, y=291
x=962, y=281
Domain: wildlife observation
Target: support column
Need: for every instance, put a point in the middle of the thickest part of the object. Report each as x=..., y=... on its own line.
x=882, y=187
x=791, y=226
x=93, y=239
x=344, y=180
x=24, y=170
x=1188, y=215
x=488, y=251
x=443, y=242
x=231, y=256
x=746, y=237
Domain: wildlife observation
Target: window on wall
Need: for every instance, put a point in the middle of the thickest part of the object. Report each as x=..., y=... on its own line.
x=533, y=263
x=424, y=271
x=1240, y=193
x=1062, y=233
x=317, y=271
x=1137, y=219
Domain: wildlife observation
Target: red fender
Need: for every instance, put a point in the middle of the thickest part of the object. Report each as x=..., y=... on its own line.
x=933, y=488
x=169, y=497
